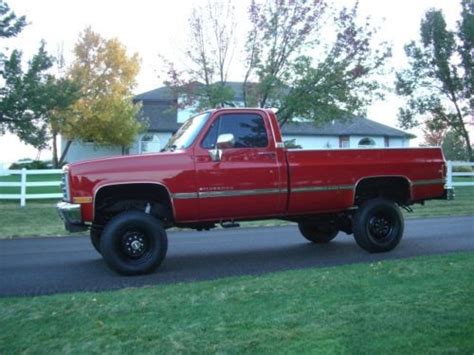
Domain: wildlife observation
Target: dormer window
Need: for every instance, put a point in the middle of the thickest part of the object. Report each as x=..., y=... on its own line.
x=366, y=143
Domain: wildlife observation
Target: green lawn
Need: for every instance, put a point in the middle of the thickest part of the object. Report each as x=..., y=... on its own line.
x=36, y=218
x=420, y=305
x=462, y=205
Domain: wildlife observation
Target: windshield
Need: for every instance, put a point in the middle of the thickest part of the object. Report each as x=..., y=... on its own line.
x=187, y=133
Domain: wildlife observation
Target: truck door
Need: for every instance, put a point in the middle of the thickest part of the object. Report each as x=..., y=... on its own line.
x=244, y=181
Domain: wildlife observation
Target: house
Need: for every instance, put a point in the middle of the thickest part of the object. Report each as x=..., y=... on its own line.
x=357, y=132
x=160, y=111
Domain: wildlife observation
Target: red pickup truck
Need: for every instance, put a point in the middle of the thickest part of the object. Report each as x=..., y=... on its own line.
x=230, y=165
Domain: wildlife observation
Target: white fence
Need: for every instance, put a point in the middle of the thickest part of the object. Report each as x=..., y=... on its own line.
x=23, y=184
x=450, y=174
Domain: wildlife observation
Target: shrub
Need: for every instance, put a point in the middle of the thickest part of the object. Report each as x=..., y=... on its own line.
x=31, y=165
x=462, y=169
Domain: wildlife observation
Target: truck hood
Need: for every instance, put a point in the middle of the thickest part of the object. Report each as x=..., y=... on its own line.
x=145, y=167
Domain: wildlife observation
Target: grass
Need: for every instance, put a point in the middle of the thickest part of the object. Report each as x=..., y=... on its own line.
x=420, y=305
x=41, y=218
x=35, y=219
x=462, y=205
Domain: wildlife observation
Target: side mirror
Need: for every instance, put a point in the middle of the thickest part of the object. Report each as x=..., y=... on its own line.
x=215, y=154
x=223, y=141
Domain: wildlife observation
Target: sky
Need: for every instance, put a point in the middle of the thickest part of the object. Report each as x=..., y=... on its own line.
x=154, y=28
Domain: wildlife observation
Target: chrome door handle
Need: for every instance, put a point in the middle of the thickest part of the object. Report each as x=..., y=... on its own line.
x=268, y=154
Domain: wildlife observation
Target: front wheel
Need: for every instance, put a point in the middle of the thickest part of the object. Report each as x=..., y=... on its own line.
x=95, y=234
x=134, y=243
x=318, y=233
x=378, y=225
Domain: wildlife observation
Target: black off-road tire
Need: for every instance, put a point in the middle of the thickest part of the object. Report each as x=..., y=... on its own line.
x=95, y=234
x=317, y=233
x=134, y=243
x=378, y=225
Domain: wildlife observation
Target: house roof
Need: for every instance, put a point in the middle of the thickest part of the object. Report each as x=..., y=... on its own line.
x=160, y=94
x=161, y=117
x=166, y=94
x=356, y=126
x=161, y=114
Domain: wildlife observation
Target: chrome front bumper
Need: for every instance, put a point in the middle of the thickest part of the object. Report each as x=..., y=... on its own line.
x=71, y=216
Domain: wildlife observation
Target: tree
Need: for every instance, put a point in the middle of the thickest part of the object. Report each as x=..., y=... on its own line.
x=10, y=24
x=105, y=112
x=210, y=52
x=60, y=95
x=33, y=102
x=13, y=115
x=433, y=133
x=344, y=79
x=439, y=82
x=21, y=97
x=287, y=66
x=454, y=147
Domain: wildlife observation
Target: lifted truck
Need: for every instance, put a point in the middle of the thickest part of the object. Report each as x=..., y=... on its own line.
x=230, y=165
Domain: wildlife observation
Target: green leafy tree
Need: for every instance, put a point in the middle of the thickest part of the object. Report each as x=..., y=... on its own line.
x=284, y=72
x=13, y=115
x=104, y=113
x=34, y=102
x=22, y=96
x=60, y=95
x=439, y=82
x=454, y=147
x=10, y=24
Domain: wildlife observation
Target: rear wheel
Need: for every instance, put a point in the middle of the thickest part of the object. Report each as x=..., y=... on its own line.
x=318, y=233
x=134, y=243
x=378, y=225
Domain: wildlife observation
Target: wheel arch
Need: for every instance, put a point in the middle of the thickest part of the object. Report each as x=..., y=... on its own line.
x=158, y=191
x=394, y=187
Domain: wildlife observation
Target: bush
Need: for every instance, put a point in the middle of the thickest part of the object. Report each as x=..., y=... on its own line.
x=462, y=169
x=291, y=144
x=31, y=165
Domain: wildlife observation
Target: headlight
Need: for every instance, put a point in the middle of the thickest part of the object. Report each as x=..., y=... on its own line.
x=65, y=185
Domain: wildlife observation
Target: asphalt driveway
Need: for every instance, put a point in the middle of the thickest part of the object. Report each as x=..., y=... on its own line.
x=36, y=266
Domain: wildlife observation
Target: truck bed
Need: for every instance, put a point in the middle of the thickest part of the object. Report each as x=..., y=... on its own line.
x=330, y=178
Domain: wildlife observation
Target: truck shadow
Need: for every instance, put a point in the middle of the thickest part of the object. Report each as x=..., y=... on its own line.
x=86, y=271
x=215, y=264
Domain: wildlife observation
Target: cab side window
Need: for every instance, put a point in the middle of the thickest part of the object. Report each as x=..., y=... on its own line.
x=248, y=130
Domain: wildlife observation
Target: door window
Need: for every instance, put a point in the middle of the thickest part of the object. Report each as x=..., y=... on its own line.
x=248, y=130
